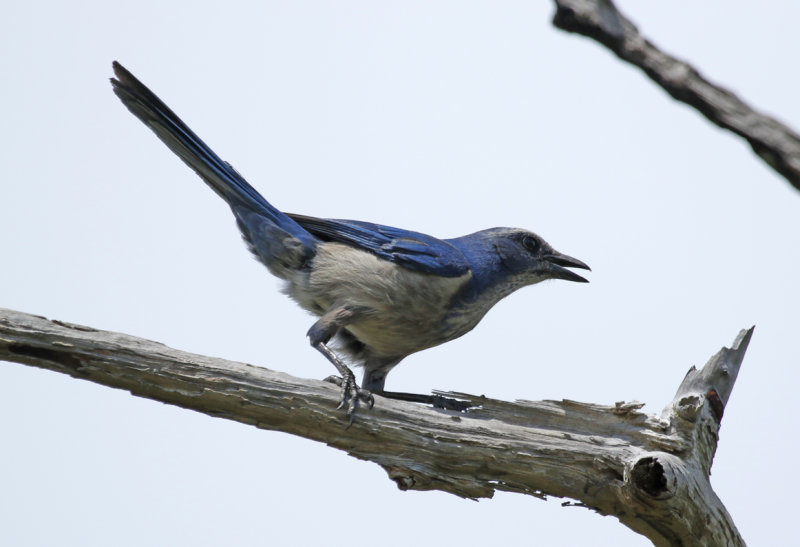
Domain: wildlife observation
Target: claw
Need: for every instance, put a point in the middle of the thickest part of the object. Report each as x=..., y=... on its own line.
x=352, y=395
x=366, y=396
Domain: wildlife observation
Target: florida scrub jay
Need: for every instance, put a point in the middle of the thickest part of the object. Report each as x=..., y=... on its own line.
x=380, y=293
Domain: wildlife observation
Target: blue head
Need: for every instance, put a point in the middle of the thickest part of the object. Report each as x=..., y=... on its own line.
x=503, y=260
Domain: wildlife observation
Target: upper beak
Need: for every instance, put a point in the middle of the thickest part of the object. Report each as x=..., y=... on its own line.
x=559, y=264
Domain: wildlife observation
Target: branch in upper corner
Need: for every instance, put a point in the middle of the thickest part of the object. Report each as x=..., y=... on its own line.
x=600, y=20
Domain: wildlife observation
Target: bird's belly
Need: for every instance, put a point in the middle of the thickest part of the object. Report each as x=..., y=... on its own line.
x=397, y=336
x=400, y=311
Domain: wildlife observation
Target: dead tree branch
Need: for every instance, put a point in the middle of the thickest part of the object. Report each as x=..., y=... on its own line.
x=649, y=471
x=600, y=20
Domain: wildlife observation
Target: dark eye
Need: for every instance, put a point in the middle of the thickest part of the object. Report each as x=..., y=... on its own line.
x=530, y=244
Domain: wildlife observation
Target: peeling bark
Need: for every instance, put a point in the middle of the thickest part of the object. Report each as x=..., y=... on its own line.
x=649, y=471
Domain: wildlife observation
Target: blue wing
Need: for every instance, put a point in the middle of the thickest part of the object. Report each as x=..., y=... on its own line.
x=419, y=252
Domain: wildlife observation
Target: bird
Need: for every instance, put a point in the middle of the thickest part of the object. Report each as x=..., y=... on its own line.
x=380, y=293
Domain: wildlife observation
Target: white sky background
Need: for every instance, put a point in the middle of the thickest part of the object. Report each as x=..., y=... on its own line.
x=442, y=117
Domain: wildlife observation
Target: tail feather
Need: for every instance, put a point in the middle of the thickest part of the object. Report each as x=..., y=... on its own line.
x=276, y=240
x=218, y=174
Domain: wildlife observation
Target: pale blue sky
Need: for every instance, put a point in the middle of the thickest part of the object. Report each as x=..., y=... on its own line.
x=442, y=117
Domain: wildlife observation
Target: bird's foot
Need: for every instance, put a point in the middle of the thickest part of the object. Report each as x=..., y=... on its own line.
x=352, y=395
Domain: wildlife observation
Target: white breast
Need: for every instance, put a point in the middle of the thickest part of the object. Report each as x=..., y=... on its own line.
x=405, y=309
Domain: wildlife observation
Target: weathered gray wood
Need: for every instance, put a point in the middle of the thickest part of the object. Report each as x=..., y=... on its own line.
x=649, y=471
x=600, y=20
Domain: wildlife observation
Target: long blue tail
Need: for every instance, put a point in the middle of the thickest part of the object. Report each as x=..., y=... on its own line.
x=257, y=218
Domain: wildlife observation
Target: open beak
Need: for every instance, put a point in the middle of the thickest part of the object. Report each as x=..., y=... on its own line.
x=559, y=264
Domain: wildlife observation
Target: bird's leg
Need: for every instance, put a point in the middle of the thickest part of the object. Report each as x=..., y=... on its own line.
x=351, y=393
x=319, y=334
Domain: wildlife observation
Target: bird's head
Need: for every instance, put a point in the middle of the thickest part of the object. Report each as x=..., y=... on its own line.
x=511, y=258
x=527, y=256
